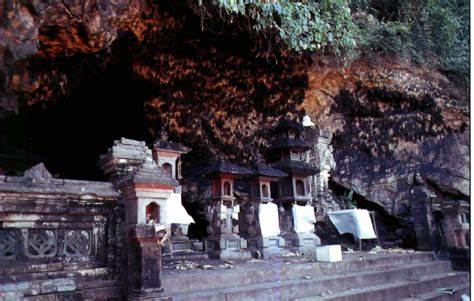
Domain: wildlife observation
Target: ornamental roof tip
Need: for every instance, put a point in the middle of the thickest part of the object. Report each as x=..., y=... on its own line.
x=128, y=141
x=150, y=173
x=38, y=172
x=170, y=145
x=286, y=124
x=291, y=143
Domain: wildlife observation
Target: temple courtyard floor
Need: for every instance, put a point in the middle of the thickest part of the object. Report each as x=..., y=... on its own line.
x=377, y=275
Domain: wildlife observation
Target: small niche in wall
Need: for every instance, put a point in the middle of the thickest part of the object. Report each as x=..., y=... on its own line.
x=300, y=188
x=265, y=191
x=227, y=188
x=168, y=169
x=153, y=213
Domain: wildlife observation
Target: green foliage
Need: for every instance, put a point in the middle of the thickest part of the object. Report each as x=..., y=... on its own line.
x=434, y=32
x=446, y=29
x=301, y=25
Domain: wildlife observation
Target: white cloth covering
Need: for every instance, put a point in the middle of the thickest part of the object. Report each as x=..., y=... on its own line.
x=222, y=211
x=176, y=214
x=307, y=121
x=268, y=218
x=303, y=218
x=235, y=212
x=354, y=221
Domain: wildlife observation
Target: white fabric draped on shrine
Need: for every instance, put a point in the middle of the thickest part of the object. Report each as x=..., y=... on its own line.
x=303, y=218
x=354, y=221
x=268, y=218
x=176, y=214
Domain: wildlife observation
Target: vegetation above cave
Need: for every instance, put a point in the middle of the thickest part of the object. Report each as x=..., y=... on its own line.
x=434, y=32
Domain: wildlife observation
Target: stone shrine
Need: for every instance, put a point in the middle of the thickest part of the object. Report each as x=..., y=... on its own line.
x=145, y=190
x=162, y=204
x=167, y=155
x=86, y=240
x=224, y=241
x=289, y=153
x=261, y=221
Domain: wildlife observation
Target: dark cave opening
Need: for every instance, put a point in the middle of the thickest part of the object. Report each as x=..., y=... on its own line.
x=392, y=231
x=196, y=84
x=70, y=134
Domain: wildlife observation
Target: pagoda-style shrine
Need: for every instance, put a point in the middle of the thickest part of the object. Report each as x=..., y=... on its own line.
x=289, y=153
x=167, y=155
x=224, y=241
x=159, y=200
x=262, y=228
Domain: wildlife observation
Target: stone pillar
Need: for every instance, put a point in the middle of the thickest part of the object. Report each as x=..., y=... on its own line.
x=140, y=189
x=420, y=208
x=223, y=211
x=224, y=241
x=303, y=242
x=144, y=264
x=267, y=246
x=285, y=216
x=167, y=155
x=260, y=219
x=322, y=157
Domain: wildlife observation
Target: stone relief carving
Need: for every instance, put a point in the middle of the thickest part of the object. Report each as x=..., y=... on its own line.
x=41, y=243
x=8, y=243
x=286, y=220
x=251, y=219
x=77, y=243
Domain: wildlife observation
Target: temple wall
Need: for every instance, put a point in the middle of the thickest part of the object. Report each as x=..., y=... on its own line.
x=59, y=239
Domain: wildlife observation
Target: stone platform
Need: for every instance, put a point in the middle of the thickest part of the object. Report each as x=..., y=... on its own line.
x=385, y=275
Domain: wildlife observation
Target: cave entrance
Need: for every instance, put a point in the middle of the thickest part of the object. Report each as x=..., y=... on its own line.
x=392, y=231
x=70, y=134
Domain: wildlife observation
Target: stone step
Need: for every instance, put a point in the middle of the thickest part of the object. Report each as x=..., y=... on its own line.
x=457, y=292
x=181, y=256
x=266, y=271
x=398, y=290
x=306, y=285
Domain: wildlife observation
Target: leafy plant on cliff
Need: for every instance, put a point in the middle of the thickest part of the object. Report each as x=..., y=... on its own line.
x=434, y=32
x=301, y=25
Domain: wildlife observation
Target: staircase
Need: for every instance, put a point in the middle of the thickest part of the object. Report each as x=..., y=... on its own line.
x=360, y=276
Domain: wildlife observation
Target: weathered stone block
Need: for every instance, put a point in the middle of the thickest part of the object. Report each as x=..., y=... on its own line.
x=330, y=253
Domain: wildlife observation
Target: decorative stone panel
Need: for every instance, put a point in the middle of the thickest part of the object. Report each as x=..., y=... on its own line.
x=8, y=243
x=63, y=236
x=41, y=243
x=77, y=243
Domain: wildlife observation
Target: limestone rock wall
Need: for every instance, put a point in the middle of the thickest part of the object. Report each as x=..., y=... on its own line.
x=399, y=135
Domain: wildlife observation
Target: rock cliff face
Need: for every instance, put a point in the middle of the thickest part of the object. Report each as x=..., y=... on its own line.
x=397, y=132
x=391, y=121
x=42, y=29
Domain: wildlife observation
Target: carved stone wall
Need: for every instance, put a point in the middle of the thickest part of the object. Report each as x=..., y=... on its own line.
x=321, y=156
x=59, y=237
